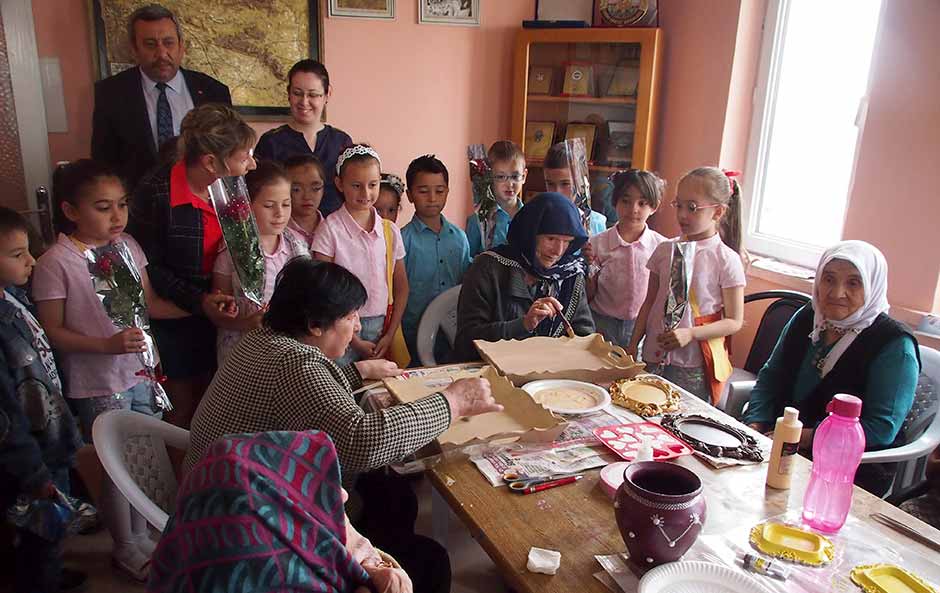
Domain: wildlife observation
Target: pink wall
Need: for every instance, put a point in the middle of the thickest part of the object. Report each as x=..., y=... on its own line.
x=699, y=46
x=63, y=30
x=893, y=200
x=411, y=89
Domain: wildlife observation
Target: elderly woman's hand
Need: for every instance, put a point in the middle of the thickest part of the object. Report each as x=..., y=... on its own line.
x=386, y=579
x=377, y=369
x=469, y=397
x=540, y=309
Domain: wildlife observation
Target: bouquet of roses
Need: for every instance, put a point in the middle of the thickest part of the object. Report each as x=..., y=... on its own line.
x=578, y=163
x=116, y=281
x=481, y=180
x=229, y=197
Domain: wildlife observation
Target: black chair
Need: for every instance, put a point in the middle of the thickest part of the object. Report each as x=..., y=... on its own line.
x=775, y=318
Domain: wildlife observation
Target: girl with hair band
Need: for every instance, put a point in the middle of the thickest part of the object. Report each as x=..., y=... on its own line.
x=356, y=238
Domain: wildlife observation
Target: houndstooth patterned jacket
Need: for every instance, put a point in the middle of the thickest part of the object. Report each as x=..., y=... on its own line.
x=271, y=381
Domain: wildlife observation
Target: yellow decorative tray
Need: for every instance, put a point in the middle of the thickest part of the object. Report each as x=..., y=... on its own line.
x=646, y=395
x=792, y=544
x=888, y=578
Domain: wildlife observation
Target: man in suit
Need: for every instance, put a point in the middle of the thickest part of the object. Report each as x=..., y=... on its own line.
x=138, y=110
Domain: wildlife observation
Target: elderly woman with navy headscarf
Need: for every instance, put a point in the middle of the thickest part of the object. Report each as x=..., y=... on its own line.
x=523, y=288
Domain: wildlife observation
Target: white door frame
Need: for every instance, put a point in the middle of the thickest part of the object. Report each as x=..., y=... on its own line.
x=20, y=32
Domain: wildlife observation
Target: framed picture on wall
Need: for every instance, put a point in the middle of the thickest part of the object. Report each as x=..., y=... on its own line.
x=368, y=9
x=449, y=12
x=540, y=80
x=538, y=139
x=243, y=44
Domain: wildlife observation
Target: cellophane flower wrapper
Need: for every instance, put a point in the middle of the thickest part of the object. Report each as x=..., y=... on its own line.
x=580, y=175
x=481, y=182
x=51, y=519
x=681, y=259
x=116, y=280
x=229, y=197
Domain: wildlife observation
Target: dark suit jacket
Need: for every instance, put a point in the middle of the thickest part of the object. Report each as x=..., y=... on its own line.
x=121, y=134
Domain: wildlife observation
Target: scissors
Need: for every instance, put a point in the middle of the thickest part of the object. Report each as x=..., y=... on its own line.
x=520, y=481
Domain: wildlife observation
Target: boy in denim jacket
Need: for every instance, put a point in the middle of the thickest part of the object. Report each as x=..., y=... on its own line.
x=38, y=434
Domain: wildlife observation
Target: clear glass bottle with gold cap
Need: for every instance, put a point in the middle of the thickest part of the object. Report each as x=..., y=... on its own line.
x=787, y=434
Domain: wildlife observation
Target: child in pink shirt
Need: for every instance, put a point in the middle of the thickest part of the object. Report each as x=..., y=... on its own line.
x=269, y=188
x=354, y=237
x=618, y=276
x=307, y=180
x=99, y=360
x=708, y=211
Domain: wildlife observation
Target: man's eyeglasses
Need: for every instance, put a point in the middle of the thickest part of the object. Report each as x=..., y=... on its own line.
x=691, y=207
x=515, y=177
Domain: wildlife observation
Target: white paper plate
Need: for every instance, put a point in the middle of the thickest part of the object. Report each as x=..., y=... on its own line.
x=601, y=396
x=698, y=577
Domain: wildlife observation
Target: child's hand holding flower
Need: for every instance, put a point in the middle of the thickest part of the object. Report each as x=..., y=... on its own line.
x=127, y=341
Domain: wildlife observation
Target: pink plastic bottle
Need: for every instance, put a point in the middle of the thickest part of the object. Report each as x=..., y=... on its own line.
x=837, y=450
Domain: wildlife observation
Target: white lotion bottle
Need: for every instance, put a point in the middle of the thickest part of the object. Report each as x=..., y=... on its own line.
x=787, y=433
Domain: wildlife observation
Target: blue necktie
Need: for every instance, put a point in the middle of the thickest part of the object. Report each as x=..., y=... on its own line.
x=164, y=116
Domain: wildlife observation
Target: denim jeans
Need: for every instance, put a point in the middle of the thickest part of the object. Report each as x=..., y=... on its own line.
x=138, y=398
x=616, y=331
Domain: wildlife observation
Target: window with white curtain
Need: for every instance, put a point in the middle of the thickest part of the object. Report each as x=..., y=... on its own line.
x=810, y=105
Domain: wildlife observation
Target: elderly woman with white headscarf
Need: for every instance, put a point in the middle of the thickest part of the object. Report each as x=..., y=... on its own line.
x=844, y=343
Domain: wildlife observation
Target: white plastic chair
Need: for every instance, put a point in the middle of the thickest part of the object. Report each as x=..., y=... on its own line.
x=911, y=457
x=132, y=449
x=441, y=315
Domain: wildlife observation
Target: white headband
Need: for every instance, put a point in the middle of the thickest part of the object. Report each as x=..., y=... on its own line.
x=357, y=149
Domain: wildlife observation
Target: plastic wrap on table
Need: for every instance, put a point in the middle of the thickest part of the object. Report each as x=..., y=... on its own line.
x=856, y=544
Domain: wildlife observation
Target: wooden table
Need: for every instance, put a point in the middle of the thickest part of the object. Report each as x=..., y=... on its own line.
x=578, y=519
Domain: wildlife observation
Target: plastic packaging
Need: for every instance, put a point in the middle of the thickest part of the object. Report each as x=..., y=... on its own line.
x=787, y=434
x=837, y=450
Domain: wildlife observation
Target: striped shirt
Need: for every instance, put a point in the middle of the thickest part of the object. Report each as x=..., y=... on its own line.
x=271, y=381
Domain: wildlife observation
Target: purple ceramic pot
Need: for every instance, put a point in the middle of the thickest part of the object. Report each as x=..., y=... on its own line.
x=660, y=511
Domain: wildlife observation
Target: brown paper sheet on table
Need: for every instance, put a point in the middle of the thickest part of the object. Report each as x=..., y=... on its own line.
x=522, y=420
x=584, y=358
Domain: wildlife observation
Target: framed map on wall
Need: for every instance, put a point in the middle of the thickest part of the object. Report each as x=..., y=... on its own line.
x=249, y=46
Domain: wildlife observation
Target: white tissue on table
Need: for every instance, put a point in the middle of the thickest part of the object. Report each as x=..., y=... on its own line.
x=543, y=561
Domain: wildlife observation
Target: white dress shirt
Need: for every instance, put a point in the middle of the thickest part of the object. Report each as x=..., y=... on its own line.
x=176, y=93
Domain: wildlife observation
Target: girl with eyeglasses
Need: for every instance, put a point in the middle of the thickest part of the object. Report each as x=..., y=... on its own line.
x=694, y=355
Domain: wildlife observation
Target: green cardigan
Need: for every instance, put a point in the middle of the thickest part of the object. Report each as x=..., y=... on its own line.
x=891, y=381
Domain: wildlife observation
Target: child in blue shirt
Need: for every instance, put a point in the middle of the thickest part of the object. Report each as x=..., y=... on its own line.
x=558, y=179
x=509, y=173
x=437, y=252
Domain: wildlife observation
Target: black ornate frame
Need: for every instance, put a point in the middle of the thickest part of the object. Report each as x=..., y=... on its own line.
x=748, y=449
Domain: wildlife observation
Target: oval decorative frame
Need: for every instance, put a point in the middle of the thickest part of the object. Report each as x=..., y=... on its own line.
x=646, y=409
x=747, y=449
